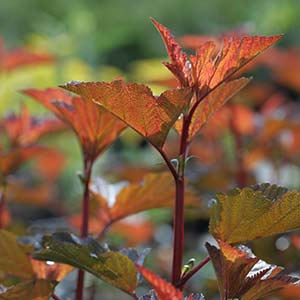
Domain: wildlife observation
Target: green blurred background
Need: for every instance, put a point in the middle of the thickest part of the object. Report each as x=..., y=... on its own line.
x=115, y=32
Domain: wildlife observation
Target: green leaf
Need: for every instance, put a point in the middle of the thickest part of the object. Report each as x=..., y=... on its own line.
x=40, y=289
x=87, y=254
x=255, y=212
x=13, y=259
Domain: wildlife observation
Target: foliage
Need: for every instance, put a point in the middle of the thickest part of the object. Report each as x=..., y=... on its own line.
x=193, y=104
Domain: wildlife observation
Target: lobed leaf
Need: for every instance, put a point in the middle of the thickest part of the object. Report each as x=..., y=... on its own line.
x=242, y=276
x=163, y=289
x=251, y=213
x=86, y=254
x=150, y=116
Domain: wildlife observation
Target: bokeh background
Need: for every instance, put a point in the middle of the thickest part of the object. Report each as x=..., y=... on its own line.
x=94, y=40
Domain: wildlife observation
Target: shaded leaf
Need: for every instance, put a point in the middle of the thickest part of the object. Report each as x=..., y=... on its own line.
x=24, y=130
x=155, y=191
x=12, y=160
x=251, y=213
x=13, y=260
x=95, y=128
x=243, y=276
x=135, y=104
x=39, y=289
x=86, y=254
x=163, y=289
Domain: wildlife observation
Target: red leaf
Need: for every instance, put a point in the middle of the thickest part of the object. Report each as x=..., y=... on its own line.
x=163, y=289
x=95, y=128
x=135, y=104
x=241, y=275
x=24, y=130
x=16, y=58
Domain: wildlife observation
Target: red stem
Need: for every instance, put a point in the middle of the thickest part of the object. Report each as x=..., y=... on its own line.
x=185, y=278
x=84, y=222
x=2, y=206
x=178, y=222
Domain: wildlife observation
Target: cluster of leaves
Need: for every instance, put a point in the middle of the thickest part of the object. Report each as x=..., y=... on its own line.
x=98, y=114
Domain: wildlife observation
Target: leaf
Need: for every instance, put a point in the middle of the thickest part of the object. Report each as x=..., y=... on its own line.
x=24, y=130
x=179, y=60
x=13, y=260
x=55, y=272
x=39, y=289
x=163, y=289
x=243, y=276
x=155, y=191
x=12, y=160
x=86, y=254
x=209, y=67
x=95, y=128
x=150, y=116
x=212, y=103
x=16, y=58
x=255, y=212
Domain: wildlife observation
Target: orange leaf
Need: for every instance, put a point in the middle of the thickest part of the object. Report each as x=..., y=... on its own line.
x=53, y=271
x=163, y=289
x=24, y=130
x=179, y=61
x=211, y=103
x=95, y=128
x=12, y=160
x=155, y=191
x=136, y=105
x=243, y=276
x=16, y=58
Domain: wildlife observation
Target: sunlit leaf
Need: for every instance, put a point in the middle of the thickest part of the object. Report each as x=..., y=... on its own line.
x=39, y=289
x=95, y=127
x=135, y=104
x=243, y=276
x=255, y=212
x=110, y=266
x=13, y=260
x=213, y=102
x=163, y=289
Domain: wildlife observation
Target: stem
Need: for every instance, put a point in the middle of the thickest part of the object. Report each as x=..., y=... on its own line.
x=185, y=278
x=178, y=222
x=2, y=205
x=85, y=222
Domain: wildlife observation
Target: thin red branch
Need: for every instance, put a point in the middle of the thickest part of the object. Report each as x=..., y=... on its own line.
x=85, y=222
x=2, y=205
x=178, y=222
x=185, y=278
